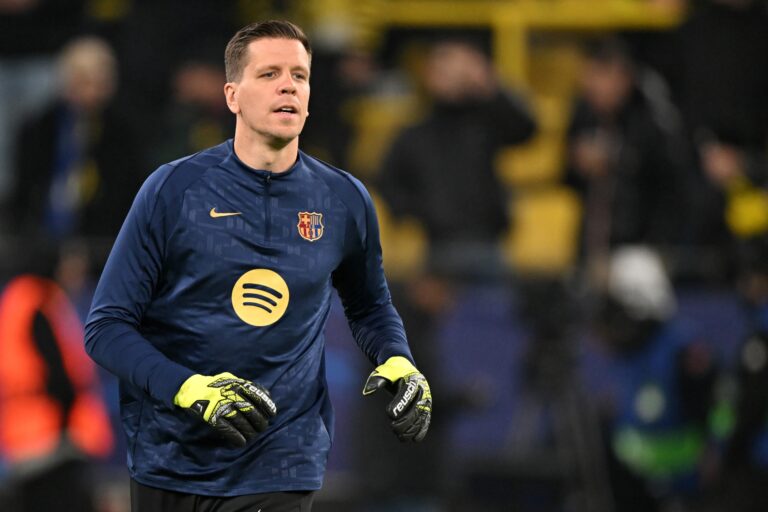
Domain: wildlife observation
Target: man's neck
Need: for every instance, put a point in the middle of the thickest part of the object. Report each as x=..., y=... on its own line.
x=258, y=154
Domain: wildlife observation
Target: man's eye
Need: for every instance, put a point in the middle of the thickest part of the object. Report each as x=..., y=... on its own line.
x=268, y=74
x=300, y=76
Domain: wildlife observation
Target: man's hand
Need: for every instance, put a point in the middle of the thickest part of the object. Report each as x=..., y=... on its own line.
x=411, y=409
x=236, y=408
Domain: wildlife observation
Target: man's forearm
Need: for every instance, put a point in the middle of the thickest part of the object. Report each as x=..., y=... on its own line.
x=380, y=334
x=120, y=348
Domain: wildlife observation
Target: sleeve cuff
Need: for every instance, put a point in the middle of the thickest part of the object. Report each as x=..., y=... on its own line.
x=169, y=382
x=392, y=350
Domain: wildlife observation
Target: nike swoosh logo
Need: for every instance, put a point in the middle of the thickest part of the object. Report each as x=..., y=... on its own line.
x=216, y=214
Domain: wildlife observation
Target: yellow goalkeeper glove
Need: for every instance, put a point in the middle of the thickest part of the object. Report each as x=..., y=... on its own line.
x=411, y=407
x=237, y=409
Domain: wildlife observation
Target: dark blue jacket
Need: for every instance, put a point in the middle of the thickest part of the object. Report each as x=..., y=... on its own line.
x=187, y=290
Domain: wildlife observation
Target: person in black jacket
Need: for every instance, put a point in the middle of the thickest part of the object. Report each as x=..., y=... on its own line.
x=622, y=156
x=441, y=170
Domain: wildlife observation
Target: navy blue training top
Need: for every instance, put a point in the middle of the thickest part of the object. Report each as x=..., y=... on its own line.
x=221, y=267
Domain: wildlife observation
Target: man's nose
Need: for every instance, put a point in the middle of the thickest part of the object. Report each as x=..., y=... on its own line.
x=288, y=86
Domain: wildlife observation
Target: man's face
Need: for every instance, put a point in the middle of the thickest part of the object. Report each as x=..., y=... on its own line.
x=606, y=86
x=271, y=99
x=455, y=71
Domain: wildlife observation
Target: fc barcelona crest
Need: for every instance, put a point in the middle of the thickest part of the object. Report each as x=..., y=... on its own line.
x=310, y=225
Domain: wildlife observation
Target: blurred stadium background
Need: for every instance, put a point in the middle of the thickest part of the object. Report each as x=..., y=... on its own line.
x=95, y=94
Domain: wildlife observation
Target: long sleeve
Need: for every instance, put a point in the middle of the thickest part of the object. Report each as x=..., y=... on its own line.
x=511, y=118
x=113, y=330
x=375, y=323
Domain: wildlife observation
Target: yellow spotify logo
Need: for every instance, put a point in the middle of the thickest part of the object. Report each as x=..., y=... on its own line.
x=260, y=297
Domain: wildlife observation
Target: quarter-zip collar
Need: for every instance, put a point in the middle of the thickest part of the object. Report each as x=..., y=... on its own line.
x=232, y=162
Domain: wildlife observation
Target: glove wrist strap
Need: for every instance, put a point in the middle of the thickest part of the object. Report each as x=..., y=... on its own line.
x=396, y=367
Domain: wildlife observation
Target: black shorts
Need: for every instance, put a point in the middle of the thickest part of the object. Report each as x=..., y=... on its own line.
x=151, y=499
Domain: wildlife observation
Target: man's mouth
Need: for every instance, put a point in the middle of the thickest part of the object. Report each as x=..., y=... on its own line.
x=286, y=110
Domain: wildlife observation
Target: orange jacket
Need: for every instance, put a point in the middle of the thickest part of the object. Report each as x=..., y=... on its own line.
x=31, y=421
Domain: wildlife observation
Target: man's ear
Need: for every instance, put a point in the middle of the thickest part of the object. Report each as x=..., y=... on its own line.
x=230, y=94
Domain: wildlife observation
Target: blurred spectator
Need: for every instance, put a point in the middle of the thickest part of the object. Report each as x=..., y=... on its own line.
x=197, y=117
x=52, y=416
x=78, y=162
x=31, y=32
x=441, y=170
x=720, y=81
x=659, y=388
x=622, y=156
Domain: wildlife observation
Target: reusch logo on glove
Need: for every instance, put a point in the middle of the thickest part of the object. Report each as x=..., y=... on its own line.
x=264, y=397
x=260, y=297
x=407, y=396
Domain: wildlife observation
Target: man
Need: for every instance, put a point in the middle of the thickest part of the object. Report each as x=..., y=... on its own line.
x=426, y=170
x=623, y=156
x=220, y=276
